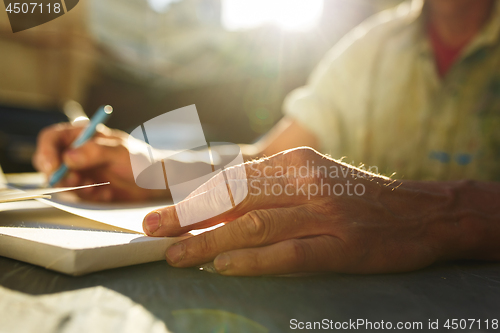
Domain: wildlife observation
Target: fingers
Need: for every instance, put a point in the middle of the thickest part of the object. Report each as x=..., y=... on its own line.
x=318, y=254
x=228, y=195
x=235, y=191
x=95, y=153
x=50, y=144
x=53, y=141
x=72, y=179
x=214, y=206
x=256, y=228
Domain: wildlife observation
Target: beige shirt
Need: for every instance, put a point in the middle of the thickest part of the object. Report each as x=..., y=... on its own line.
x=376, y=98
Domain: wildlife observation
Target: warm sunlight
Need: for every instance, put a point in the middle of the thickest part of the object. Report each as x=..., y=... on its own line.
x=287, y=14
x=161, y=5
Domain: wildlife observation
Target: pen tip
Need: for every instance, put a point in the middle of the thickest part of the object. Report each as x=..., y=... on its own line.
x=108, y=109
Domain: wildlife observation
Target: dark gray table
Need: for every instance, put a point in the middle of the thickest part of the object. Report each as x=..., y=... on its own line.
x=189, y=300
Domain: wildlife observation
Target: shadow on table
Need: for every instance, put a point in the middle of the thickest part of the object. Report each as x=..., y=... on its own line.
x=189, y=300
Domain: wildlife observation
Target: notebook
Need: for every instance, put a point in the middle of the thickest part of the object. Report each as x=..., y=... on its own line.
x=75, y=238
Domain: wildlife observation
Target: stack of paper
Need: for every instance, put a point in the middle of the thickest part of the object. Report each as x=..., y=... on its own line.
x=75, y=238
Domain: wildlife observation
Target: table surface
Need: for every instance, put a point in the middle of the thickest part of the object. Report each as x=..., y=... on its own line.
x=155, y=297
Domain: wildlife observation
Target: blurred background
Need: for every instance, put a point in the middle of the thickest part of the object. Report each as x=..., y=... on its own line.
x=235, y=59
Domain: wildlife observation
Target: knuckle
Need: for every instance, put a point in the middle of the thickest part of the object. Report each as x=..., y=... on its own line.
x=253, y=226
x=305, y=152
x=169, y=218
x=206, y=243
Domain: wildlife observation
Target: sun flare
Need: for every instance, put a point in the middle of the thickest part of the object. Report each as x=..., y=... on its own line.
x=287, y=14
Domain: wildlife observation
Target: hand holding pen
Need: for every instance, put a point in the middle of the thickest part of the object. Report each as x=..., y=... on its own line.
x=105, y=157
x=100, y=117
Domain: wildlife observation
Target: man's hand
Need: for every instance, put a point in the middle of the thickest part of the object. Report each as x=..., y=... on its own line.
x=104, y=158
x=328, y=216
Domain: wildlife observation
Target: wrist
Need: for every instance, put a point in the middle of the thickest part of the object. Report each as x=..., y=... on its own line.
x=465, y=225
x=480, y=216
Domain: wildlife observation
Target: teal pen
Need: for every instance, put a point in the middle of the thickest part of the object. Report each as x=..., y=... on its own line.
x=99, y=117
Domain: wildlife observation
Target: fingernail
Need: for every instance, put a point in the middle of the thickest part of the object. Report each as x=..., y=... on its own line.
x=152, y=221
x=175, y=253
x=222, y=262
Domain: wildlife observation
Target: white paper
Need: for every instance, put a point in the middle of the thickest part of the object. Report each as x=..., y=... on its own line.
x=78, y=252
x=125, y=216
x=9, y=195
x=76, y=243
x=34, y=232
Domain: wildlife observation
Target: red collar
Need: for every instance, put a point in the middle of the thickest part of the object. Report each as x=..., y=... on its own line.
x=444, y=54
